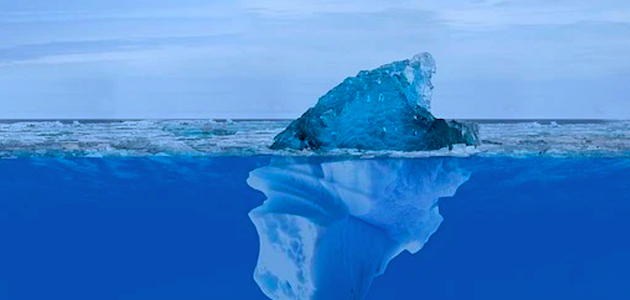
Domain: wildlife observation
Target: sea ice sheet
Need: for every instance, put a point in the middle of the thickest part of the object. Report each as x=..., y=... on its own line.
x=566, y=138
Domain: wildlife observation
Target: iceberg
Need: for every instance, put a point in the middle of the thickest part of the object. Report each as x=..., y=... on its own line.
x=328, y=229
x=384, y=109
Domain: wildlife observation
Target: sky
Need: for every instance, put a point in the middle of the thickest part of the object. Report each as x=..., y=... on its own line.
x=79, y=59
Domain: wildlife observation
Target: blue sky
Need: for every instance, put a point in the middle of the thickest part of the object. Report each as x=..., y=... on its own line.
x=274, y=58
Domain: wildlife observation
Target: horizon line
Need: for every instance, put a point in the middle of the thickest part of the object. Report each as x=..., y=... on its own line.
x=288, y=119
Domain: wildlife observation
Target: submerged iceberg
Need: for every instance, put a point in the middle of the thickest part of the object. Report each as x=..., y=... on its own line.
x=384, y=109
x=327, y=230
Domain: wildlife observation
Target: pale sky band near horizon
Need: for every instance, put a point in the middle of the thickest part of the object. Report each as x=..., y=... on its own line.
x=274, y=58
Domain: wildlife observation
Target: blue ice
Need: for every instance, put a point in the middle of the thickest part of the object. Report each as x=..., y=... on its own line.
x=387, y=108
x=327, y=230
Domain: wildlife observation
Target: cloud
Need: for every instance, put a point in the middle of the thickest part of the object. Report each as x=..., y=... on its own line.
x=98, y=50
x=510, y=15
x=462, y=13
x=491, y=54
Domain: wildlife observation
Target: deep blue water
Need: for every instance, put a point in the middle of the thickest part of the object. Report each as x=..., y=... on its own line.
x=177, y=228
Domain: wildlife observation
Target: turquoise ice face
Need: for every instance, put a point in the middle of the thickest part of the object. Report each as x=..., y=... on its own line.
x=387, y=108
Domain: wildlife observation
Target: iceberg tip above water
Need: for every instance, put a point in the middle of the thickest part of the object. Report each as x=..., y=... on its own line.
x=387, y=108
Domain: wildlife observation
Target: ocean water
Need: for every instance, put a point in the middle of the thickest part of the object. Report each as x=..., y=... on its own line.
x=153, y=223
